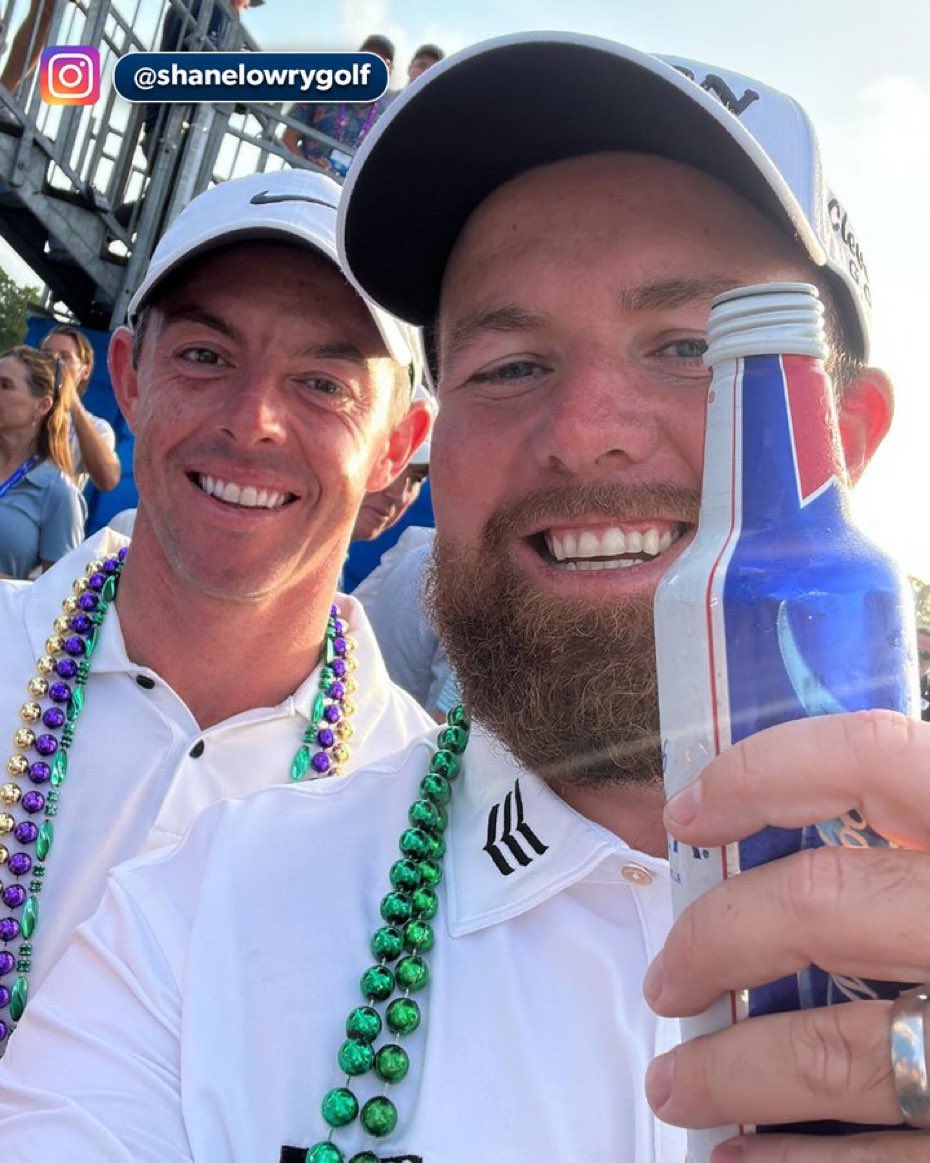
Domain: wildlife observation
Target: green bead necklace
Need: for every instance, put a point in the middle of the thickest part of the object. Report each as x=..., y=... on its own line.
x=400, y=946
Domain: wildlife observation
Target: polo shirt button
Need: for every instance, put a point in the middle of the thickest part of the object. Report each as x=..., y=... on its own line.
x=636, y=874
x=145, y=682
x=197, y=750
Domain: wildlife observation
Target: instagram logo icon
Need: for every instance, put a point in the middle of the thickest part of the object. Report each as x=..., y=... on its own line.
x=70, y=75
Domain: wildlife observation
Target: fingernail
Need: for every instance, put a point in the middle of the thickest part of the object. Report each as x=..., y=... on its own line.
x=654, y=980
x=684, y=805
x=659, y=1079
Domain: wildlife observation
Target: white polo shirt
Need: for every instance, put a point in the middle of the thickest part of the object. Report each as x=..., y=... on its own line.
x=199, y=1014
x=140, y=768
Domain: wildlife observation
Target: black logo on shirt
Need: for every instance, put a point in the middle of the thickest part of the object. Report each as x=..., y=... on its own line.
x=299, y=1155
x=266, y=199
x=513, y=829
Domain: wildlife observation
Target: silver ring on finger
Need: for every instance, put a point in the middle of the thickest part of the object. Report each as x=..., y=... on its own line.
x=909, y=1055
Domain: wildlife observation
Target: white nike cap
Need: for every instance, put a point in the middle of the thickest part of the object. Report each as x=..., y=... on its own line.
x=295, y=206
x=488, y=113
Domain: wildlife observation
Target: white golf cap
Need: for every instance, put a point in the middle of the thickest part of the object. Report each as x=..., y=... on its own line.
x=492, y=111
x=294, y=206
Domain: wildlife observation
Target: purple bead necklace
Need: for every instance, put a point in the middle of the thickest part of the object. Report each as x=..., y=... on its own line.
x=41, y=759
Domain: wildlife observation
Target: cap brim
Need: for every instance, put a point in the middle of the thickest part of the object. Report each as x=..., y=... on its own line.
x=483, y=116
x=402, y=347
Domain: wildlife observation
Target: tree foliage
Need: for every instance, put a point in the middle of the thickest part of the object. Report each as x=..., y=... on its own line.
x=14, y=304
x=921, y=601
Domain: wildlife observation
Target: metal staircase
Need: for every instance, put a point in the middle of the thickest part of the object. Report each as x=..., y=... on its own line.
x=78, y=200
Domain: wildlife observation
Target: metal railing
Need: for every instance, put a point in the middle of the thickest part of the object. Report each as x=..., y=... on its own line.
x=79, y=199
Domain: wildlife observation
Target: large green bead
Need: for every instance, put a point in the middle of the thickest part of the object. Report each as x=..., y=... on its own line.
x=355, y=1057
x=445, y=763
x=59, y=767
x=436, y=787
x=392, y=1063
x=340, y=1106
x=30, y=917
x=419, y=936
x=425, y=814
x=75, y=704
x=430, y=872
x=108, y=591
x=319, y=706
x=405, y=874
x=377, y=983
x=415, y=842
x=324, y=1153
x=412, y=973
x=300, y=764
x=454, y=739
x=379, y=1116
x=19, y=995
x=363, y=1024
x=436, y=848
x=459, y=717
x=387, y=943
x=44, y=839
x=396, y=908
x=425, y=903
x=403, y=1016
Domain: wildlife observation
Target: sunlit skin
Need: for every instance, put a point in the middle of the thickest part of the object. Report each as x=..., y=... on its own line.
x=571, y=330
x=263, y=370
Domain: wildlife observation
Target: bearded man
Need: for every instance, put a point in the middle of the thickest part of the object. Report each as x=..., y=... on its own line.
x=568, y=264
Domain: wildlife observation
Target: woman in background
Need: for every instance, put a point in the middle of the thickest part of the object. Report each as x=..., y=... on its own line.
x=41, y=512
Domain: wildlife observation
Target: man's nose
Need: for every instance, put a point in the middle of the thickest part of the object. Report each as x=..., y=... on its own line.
x=255, y=412
x=598, y=412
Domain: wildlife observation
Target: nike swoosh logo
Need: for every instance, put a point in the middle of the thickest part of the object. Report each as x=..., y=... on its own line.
x=264, y=199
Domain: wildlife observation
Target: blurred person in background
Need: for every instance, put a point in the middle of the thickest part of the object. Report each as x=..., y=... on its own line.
x=424, y=58
x=27, y=45
x=91, y=438
x=41, y=512
x=346, y=122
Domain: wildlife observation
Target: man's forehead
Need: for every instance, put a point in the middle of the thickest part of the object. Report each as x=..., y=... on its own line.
x=592, y=204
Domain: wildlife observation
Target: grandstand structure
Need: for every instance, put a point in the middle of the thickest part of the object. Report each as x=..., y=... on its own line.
x=79, y=202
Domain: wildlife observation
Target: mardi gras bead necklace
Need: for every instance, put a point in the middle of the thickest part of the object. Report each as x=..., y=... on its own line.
x=41, y=759
x=400, y=948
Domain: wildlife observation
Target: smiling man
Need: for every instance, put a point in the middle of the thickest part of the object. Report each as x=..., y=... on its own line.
x=474, y=990
x=266, y=398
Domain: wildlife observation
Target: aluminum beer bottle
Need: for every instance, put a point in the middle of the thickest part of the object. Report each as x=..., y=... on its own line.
x=778, y=610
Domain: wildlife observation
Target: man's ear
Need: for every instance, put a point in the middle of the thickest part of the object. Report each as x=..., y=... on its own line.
x=404, y=439
x=123, y=375
x=864, y=413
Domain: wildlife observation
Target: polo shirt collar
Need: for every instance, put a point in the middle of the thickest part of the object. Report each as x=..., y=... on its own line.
x=512, y=842
x=43, y=604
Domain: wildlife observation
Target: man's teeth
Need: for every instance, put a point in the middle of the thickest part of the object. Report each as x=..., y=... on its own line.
x=605, y=548
x=247, y=495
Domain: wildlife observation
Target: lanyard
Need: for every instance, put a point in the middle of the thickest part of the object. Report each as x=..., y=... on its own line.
x=11, y=481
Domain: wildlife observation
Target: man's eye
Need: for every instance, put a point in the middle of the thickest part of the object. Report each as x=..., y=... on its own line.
x=202, y=355
x=324, y=386
x=518, y=369
x=684, y=349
